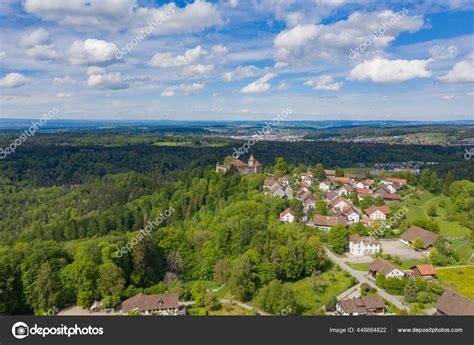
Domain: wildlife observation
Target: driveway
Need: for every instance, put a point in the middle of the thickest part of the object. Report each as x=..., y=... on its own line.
x=397, y=248
x=363, y=278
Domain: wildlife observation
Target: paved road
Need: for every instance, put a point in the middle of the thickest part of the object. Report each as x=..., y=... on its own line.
x=363, y=278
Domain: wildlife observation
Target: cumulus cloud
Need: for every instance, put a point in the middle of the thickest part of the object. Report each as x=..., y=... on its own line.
x=182, y=89
x=12, y=80
x=63, y=80
x=283, y=86
x=43, y=52
x=242, y=72
x=92, y=52
x=63, y=95
x=165, y=60
x=39, y=45
x=198, y=69
x=219, y=50
x=381, y=70
x=443, y=53
x=311, y=41
x=324, y=82
x=260, y=85
x=98, y=77
x=463, y=71
x=118, y=15
x=36, y=37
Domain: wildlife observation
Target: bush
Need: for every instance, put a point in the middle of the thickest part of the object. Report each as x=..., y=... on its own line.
x=197, y=311
x=331, y=304
x=211, y=302
x=423, y=297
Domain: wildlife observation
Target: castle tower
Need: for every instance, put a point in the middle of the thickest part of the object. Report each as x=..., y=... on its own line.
x=251, y=161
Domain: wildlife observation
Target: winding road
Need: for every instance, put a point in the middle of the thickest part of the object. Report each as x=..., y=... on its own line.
x=363, y=278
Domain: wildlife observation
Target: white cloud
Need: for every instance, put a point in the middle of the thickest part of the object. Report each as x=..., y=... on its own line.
x=116, y=15
x=283, y=86
x=37, y=37
x=242, y=72
x=98, y=77
x=12, y=80
x=43, y=52
x=463, y=71
x=328, y=42
x=219, y=50
x=3, y=55
x=183, y=89
x=63, y=95
x=63, y=80
x=166, y=60
x=324, y=82
x=448, y=98
x=198, y=69
x=260, y=85
x=443, y=53
x=381, y=70
x=233, y=3
x=92, y=52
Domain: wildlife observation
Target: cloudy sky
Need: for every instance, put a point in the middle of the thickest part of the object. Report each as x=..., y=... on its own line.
x=237, y=60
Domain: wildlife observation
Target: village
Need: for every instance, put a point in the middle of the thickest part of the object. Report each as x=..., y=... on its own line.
x=334, y=198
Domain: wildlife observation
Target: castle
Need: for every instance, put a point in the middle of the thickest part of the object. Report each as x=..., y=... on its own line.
x=252, y=167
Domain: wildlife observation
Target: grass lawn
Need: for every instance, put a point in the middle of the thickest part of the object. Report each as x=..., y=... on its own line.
x=230, y=309
x=337, y=280
x=359, y=266
x=461, y=279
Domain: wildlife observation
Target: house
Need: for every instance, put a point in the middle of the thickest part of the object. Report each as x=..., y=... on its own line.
x=340, y=203
x=377, y=212
x=307, y=178
x=277, y=190
x=384, y=189
x=385, y=268
x=452, y=303
x=426, y=272
x=363, y=193
x=289, y=193
x=390, y=197
x=364, y=305
x=367, y=184
x=284, y=181
x=325, y=185
x=269, y=182
x=300, y=192
x=252, y=167
x=288, y=216
x=327, y=222
x=330, y=196
x=363, y=245
x=392, y=180
x=330, y=174
x=343, y=180
x=345, y=190
x=309, y=201
x=162, y=304
x=351, y=215
x=426, y=237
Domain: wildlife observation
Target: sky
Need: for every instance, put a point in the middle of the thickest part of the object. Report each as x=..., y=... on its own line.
x=237, y=60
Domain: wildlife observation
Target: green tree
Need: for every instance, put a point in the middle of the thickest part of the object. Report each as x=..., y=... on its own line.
x=318, y=171
x=242, y=279
x=417, y=243
x=410, y=291
x=331, y=304
x=111, y=280
x=198, y=292
x=277, y=298
x=448, y=180
x=338, y=238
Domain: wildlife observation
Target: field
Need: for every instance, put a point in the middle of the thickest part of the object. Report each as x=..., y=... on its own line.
x=461, y=279
x=230, y=310
x=337, y=282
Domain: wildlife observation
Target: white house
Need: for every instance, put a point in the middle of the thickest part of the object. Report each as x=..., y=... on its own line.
x=325, y=186
x=377, y=212
x=307, y=178
x=340, y=203
x=367, y=184
x=385, y=268
x=363, y=245
x=287, y=216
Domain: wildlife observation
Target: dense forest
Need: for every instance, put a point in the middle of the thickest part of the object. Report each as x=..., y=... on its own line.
x=65, y=210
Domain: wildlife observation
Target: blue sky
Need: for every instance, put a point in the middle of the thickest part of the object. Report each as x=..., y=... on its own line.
x=237, y=60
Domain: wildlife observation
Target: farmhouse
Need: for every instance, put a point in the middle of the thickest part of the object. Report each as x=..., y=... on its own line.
x=163, y=304
x=327, y=222
x=427, y=272
x=252, y=167
x=452, y=303
x=364, y=305
x=426, y=237
x=384, y=267
x=363, y=245
x=377, y=212
x=288, y=216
